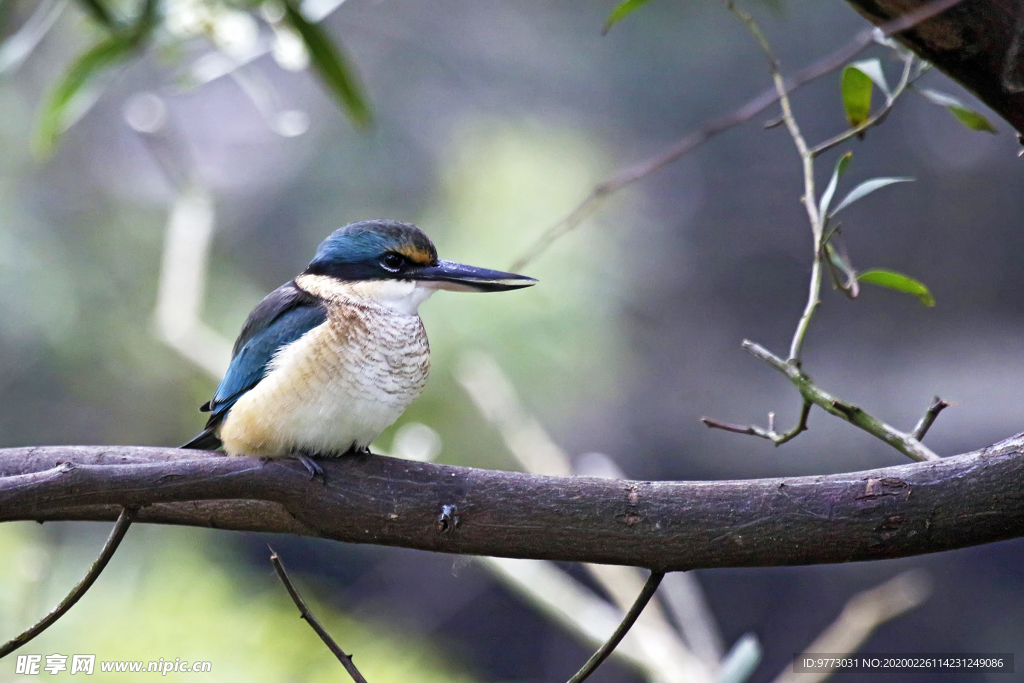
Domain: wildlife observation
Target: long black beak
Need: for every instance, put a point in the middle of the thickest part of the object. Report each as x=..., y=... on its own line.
x=461, y=278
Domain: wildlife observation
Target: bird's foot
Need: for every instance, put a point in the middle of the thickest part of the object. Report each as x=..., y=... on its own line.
x=312, y=466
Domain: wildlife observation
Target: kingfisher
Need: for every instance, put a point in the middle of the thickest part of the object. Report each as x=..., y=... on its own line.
x=327, y=361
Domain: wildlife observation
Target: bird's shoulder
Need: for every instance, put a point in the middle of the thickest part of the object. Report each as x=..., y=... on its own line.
x=284, y=315
x=284, y=302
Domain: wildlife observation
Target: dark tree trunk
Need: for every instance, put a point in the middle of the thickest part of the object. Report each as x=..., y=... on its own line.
x=978, y=43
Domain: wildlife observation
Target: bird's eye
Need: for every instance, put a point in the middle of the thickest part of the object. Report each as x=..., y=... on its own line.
x=392, y=261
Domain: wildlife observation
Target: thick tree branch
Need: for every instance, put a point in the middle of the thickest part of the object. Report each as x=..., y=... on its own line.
x=893, y=512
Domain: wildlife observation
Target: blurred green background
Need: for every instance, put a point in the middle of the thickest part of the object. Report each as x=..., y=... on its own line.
x=492, y=120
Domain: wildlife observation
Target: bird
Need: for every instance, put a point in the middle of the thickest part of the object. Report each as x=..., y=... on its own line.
x=327, y=361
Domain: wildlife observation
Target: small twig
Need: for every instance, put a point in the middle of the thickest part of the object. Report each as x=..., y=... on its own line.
x=109, y=548
x=922, y=427
x=346, y=660
x=770, y=433
x=905, y=81
x=653, y=581
x=749, y=110
x=907, y=444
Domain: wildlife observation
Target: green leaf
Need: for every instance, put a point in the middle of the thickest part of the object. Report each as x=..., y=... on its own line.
x=972, y=119
x=899, y=282
x=331, y=64
x=856, y=90
x=623, y=10
x=56, y=115
x=872, y=68
x=866, y=188
x=60, y=110
x=964, y=114
x=99, y=12
x=826, y=196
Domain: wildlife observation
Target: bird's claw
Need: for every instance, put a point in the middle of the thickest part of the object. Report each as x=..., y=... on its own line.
x=313, y=467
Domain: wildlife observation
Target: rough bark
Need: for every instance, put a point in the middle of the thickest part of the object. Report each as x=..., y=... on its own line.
x=893, y=512
x=978, y=43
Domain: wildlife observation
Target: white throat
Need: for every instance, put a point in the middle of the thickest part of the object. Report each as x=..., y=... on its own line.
x=401, y=297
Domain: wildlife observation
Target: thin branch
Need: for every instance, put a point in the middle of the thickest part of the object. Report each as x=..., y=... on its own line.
x=922, y=427
x=809, y=198
x=814, y=289
x=751, y=109
x=579, y=609
x=653, y=581
x=305, y=613
x=862, y=614
x=770, y=433
x=905, y=443
x=878, y=117
x=917, y=16
x=124, y=521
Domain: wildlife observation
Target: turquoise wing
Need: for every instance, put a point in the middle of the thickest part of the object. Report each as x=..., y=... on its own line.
x=284, y=316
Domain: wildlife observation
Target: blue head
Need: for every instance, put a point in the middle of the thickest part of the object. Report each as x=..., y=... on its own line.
x=391, y=250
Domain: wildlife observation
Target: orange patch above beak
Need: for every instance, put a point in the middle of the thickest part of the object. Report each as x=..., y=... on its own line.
x=420, y=257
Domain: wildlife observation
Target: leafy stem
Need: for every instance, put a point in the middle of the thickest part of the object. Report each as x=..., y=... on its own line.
x=908, y=76
x=857, y=85
x=903, y=442
x=815, y=217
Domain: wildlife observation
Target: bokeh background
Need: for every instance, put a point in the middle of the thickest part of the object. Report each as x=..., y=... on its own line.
x=492, y=120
